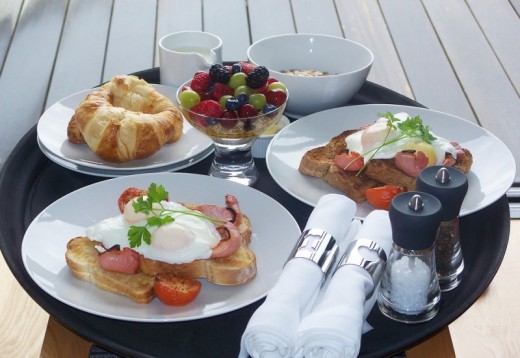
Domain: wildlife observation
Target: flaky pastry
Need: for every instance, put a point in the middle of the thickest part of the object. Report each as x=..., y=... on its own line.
x=125, y=119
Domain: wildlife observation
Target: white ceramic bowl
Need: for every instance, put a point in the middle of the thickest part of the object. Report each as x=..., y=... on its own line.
x=347, y=62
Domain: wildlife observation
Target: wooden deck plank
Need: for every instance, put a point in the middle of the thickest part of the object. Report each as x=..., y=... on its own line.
x=131, y=41
x=228, y=20
x=488, y=15
x=316, y=16
x=170, y=18
x=362, y=21
x=431, y=77
x=492, y=96
x=79, y=62
x=24, y=81
x=265, y=22
x=9, y=11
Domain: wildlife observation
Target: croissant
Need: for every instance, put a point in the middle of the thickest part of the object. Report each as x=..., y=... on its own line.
x=125, y=119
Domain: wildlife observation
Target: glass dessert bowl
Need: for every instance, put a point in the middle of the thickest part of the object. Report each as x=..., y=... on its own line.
x=233, y=120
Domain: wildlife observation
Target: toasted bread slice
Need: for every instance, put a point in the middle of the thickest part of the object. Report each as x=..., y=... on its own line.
x=319, y=162
x=83, y=260
x=235, y=269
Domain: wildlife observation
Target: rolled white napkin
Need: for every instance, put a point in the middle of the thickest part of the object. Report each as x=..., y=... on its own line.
x=271, y=331
x=335, y=325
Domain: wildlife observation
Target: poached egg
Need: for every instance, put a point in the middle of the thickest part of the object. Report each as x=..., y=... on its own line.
x=366, y=141
x=184, y=240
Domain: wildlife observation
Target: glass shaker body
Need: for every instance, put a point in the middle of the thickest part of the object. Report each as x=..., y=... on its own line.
x=409, y=290
x=448, y=255
x=450, y=186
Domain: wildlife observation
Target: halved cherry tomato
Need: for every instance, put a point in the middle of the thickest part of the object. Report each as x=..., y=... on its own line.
x=176, y=291
x=128, y=195
x=380, y=197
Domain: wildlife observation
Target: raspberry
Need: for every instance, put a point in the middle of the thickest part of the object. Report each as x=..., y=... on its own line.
x=219, y=73
x=247, y=67
x=208, y=108
x=220, y=90
x=258, y=77
x=200, y=82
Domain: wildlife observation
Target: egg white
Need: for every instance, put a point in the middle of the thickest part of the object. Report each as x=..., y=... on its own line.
x=365, y=142
x=184, y=240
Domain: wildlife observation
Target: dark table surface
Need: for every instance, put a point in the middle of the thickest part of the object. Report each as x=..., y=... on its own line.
x=30, y=182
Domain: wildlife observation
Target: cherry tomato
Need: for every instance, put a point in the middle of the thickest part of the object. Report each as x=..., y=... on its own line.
x=128, y=195
x=380, y=197
x=176, y=291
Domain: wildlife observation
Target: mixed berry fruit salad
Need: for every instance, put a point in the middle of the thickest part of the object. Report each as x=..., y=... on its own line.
x=232, y=102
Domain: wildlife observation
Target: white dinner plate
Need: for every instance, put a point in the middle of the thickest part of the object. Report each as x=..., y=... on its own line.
x=52, y=134
x=491, y=174
x=43, y=248
x=108, y=173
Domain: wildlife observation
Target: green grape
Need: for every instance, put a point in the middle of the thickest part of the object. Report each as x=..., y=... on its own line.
x=189, y=98
x=222, y=101
x=257, y=100
x=275, y=85
x=243, y=89
x=238, y=79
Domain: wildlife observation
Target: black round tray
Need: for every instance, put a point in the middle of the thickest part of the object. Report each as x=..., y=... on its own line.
x=30, y=182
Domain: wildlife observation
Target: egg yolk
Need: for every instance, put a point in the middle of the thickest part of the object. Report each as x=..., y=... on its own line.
x=424, y=147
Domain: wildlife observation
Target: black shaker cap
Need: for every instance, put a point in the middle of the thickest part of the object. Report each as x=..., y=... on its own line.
x=415, y=218
x=447, y=184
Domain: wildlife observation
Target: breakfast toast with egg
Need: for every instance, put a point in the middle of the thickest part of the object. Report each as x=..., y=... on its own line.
x=83, y=259
x=320, y=162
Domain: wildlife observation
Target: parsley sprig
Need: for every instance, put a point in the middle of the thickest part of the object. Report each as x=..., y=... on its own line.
x=157, y=215
x=412, y=127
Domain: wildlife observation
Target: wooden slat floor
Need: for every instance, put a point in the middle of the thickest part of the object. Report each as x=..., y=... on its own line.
x=459, y=57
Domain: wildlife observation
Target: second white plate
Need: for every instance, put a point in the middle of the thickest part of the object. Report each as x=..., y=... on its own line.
x=491, y=175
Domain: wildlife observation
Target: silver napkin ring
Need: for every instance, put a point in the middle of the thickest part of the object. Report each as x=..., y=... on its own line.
x=368, y=255
x=318, y=246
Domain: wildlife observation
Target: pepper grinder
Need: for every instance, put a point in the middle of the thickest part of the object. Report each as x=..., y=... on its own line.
x=409, y=290
x=450, y=186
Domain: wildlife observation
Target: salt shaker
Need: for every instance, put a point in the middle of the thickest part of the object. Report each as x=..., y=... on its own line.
x=450, y=186
x=409, y=290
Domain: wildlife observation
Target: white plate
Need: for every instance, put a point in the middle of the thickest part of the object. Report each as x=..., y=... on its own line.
x=116, y=173
x=491, y=175
x=43, y=248
x=52, y=133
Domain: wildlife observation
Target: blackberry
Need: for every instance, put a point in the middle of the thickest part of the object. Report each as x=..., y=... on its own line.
x=219, y=73
x=258, y=77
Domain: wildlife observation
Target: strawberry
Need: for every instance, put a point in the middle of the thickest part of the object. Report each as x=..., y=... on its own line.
x=247, y=67
x=276, y=96
x=222, y=89
x=208, y=108
x=200, y=82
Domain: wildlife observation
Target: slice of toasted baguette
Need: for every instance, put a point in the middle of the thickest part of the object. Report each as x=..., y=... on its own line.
x=83, y=260
x=319, y=162
x=235, y=269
